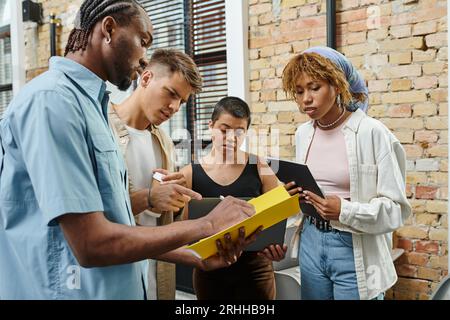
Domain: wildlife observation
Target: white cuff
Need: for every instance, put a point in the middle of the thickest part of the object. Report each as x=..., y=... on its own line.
x=148, y=218
x=346, y=215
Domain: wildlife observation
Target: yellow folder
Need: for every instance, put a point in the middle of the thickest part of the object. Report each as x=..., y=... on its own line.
x=271, y=208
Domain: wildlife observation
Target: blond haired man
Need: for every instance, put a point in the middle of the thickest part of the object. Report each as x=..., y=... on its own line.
x=167, y=82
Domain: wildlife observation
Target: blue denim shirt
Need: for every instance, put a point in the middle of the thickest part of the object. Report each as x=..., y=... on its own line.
x=59, y=156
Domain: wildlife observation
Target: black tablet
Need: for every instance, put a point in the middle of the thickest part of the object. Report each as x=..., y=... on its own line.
x=288, y=171
x=272, y=235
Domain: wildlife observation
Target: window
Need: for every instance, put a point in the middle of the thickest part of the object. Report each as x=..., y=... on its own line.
x=6, y=92
x=196, y=27
x=210, y=54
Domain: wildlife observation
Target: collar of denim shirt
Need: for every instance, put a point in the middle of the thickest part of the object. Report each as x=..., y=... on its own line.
x=87, y=80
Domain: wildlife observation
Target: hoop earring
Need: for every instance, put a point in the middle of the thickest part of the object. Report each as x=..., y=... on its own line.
x=108, y=40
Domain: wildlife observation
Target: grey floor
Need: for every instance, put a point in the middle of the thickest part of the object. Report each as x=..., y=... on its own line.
x=181, y=295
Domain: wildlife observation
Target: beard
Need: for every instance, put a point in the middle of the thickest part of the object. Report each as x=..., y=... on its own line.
x=124, y=83
x=122, y=69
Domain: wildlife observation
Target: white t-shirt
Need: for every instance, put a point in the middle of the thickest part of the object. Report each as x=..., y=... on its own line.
x=143, y=154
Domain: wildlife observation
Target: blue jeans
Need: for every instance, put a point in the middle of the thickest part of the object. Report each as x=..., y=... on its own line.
x=327, y=265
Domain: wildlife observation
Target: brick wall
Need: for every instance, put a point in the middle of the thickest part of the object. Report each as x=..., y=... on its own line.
x=400, y=47
x=37, y=37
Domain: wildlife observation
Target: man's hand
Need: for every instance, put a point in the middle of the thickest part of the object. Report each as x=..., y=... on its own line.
x=166, y=196
x=228, y=212
x=171, y=197
x=329, y=208
x=174, y=177
x=274, y=252
x=230, y=252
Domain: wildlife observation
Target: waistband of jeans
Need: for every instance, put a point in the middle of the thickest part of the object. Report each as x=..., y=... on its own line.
x=320, y=224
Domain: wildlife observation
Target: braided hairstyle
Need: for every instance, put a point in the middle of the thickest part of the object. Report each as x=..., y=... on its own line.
x=91, y=11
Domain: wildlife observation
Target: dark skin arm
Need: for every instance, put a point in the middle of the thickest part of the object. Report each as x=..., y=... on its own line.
x=97, y=242
x=228, y=253
x=274, y=252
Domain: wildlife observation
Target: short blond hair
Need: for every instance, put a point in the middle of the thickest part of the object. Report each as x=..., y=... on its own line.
x=177, y=61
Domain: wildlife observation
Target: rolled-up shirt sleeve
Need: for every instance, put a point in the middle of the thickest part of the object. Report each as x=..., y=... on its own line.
x=52, y=136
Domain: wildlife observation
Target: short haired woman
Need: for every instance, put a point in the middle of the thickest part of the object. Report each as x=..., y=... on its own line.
x=226, y=170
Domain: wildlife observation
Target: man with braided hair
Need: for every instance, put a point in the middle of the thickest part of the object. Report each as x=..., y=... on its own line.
x=119, y=60
x=67, y=229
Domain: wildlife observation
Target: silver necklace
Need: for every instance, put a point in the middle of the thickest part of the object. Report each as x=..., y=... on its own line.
x=333, y=123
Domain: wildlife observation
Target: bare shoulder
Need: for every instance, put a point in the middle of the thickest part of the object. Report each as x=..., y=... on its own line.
x=261, y=162
x=266, y=174
x=187, y=172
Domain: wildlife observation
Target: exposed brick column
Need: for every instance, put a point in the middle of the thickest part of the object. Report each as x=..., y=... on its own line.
x=400, y=47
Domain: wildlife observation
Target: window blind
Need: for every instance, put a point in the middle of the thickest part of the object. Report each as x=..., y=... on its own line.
x=168, y=21
x=208, y=36
x=5, y=69
x=196, y=27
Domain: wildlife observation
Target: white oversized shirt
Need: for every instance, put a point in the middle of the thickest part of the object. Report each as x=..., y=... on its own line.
x=378, y=206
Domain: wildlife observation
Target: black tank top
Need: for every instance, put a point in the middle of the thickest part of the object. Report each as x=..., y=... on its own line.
x=252, y=276
x=248, y=184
